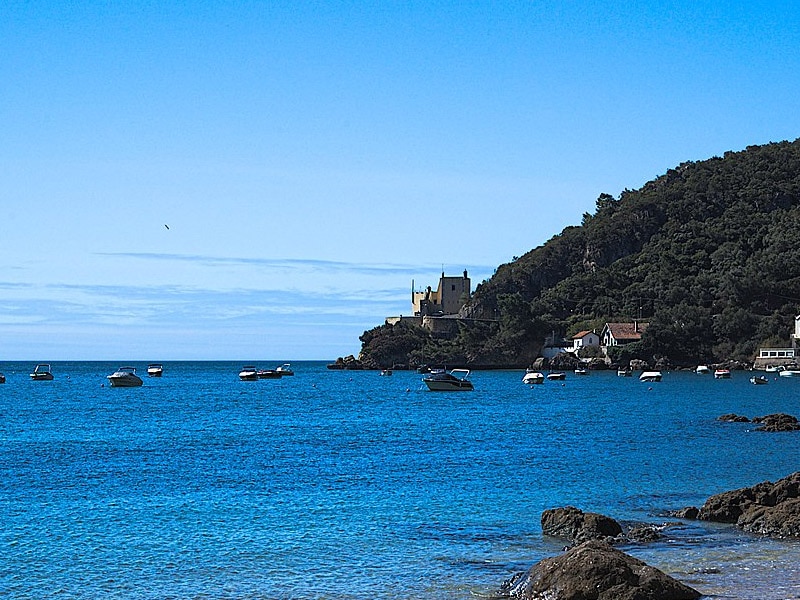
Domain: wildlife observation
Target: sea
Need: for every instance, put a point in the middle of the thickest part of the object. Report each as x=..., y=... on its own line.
x=355, y=486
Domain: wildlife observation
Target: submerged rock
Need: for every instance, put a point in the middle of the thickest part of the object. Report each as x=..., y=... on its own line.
x=733, y=418
x=577, y=526
x=595, y=571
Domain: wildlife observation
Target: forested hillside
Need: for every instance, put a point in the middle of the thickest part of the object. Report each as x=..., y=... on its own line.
x=708, y=253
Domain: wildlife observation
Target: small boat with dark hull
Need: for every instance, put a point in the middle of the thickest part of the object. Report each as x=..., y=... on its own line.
x=155, y=370
x=268, y=374
x=42, y=373
x=454, y=381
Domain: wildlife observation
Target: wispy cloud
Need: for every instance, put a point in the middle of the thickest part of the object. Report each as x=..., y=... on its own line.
x=399, y=269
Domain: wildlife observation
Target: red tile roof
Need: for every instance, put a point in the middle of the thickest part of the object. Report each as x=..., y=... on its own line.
x=630, y=332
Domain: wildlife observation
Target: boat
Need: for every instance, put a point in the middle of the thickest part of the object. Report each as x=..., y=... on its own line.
x=650, y=376
x=386, y=372
x=624, y=372
x=124, y=377
x=2, y=378
x=580, y=371
x=557, y=376
x=268, y=374
x=155, y=370
x=790, y=373
x=42, y=373
x=722, y=374
x=454, y=381
x=702, y=370
x=285, y=370
x=534, y=377
x=773, y=369
x=759, y=380
x=248, y=373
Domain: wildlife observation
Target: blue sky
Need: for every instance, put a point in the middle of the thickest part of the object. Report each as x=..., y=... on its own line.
x=312, y=158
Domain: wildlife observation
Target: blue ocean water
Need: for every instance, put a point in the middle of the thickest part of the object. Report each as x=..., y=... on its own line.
x=349, y=485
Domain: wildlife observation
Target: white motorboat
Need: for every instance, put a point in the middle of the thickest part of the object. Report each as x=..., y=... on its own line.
x=124, y=377
x=650, y=376
x=155, y=370
x=722, y=374
x=534, y=377
x=624, y=372
x=790, y=373
x=285, y=370
x=42, y=373
x=702, y=370
x=581, y=371
x=454, y=381
x=557, y=376
x=248, y=373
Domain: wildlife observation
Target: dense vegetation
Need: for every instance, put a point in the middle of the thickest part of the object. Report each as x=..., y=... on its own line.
x=708, y=253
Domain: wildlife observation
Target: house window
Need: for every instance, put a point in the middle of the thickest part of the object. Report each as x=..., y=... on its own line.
x=453, y=288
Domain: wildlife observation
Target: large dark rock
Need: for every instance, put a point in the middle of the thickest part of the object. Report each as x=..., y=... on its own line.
x=577, y=526
x=781, y=521
x=564, y=361
x=595, y=571
x=777, y=422
x=767, y=508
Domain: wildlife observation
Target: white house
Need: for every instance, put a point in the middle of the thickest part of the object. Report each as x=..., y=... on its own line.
x=583, y=339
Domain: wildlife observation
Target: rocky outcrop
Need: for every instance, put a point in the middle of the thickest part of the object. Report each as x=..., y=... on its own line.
x=767, y=508
x=781, y=521
x=576, y=526
x=595, y=571
x=733, y=418
x=348, y=363
x=777, y=422
x=564, y=361
x=770, y=423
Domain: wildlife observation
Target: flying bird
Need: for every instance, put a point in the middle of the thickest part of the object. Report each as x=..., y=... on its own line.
x=165, y=225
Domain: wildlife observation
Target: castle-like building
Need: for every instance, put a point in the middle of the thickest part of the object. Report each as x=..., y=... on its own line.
x=438, y=310
x=448, y=298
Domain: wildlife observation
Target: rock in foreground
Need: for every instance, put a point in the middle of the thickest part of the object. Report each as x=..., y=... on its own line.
x=595, y=571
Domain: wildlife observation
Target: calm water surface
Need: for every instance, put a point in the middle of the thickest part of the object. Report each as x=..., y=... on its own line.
x=349, y=485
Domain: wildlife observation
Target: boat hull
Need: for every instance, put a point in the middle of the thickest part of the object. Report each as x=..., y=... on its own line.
x=125, y=380
x=449, y=386
x=268, y=374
